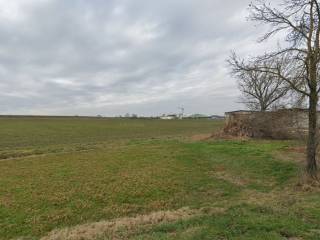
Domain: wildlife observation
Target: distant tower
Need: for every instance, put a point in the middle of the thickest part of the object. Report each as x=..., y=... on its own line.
x=181, y=112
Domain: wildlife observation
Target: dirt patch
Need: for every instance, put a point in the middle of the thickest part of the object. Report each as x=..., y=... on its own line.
x=201, y=137
x=95, y=230
x=299, y=149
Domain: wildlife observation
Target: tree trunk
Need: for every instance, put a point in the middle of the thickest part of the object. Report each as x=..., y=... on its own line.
x=312, y=137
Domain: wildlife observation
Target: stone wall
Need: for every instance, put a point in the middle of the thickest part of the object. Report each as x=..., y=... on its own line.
x=281, y=124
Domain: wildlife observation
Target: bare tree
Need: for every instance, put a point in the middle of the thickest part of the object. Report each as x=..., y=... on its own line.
x=260, y=90
x=298, y=62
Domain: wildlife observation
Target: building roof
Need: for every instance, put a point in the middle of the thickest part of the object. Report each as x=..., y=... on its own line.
x=278, y=110
x=241, y=111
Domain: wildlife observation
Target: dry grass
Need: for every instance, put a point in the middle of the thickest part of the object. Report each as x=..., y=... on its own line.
x=201, y=137
x=222, y=135
x=308, y=184
x=95, y=230
x=292, y=154
x=233, y=179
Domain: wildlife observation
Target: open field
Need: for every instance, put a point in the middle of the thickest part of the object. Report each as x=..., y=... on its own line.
x=149, y=179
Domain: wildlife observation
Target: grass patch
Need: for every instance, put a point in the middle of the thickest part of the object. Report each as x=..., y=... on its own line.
x=58, y=173
x=238, y=222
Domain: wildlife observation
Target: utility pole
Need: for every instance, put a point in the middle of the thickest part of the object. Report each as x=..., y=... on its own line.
x=181, y=113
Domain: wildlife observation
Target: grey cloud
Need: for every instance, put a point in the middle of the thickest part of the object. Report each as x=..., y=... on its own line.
x=112, y=57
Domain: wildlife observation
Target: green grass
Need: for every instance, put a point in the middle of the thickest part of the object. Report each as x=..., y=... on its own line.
x=58, y=173
x=35, y=132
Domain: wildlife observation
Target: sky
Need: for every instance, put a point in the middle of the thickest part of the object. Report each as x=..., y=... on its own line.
x=112, y=57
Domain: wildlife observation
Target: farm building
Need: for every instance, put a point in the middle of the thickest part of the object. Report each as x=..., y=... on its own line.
x=280, y=124
x=169, y=117
x=216, y=117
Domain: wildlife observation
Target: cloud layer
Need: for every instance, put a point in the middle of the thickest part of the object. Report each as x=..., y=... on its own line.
x=112, y=57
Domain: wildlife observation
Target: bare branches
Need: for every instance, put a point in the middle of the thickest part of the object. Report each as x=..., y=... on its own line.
x=282, y=68
x=280, y=20
x=260, y=89
x=297, y=65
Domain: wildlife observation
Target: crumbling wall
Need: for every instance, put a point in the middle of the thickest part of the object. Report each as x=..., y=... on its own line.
x=281, y=124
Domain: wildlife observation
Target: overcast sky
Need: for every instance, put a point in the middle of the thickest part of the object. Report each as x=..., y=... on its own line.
x=112, y=57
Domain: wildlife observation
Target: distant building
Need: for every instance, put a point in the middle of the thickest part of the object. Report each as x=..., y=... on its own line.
x=197, y=115
x=202, y=116
x=217, y=117
x=169, y=117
